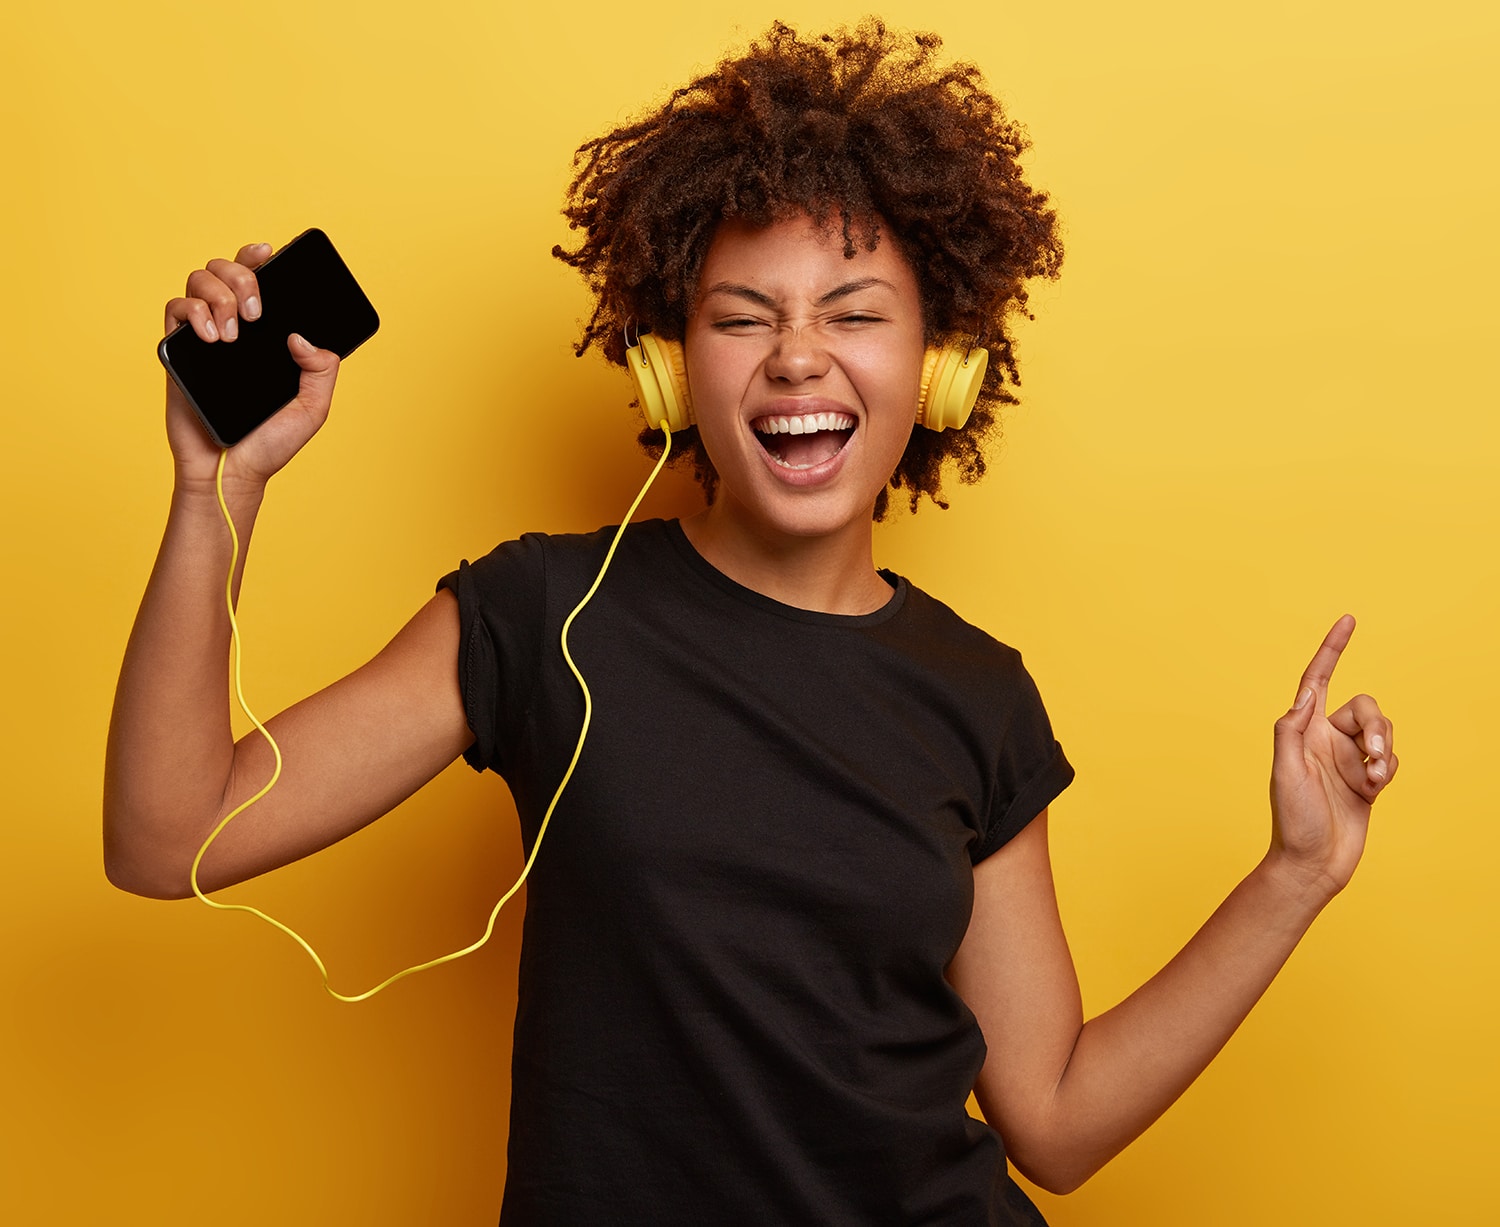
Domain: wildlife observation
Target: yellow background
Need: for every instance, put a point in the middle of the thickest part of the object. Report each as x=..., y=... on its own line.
x=1260, y=395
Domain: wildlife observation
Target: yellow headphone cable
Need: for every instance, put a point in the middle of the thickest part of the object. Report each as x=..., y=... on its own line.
x=588, y=708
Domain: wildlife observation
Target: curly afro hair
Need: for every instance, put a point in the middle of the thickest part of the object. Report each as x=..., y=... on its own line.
x=861, y=129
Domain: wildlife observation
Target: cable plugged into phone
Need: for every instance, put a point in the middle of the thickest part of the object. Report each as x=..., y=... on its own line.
x=239, y=694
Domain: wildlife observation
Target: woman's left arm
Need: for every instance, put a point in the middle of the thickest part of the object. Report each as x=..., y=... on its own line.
x=1065, y=1095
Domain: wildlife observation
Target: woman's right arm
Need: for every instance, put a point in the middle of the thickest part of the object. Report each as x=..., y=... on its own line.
x=352, y=751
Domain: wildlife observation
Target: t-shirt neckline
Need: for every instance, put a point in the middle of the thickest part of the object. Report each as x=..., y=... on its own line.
x=700, y=566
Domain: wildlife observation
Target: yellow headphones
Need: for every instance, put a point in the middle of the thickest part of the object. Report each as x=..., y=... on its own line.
x=951, y=376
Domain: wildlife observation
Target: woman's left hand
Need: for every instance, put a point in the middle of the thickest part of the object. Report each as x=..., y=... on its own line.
x=1326, y=773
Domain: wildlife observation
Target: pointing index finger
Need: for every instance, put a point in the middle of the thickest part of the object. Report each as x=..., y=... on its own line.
x=1319, y=671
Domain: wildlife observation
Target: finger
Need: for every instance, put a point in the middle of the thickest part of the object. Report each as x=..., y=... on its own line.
x=194, y=312
x=244, y=299
x=219, y=294
x=1358, y=773
x=206, y=285
x=1372, y=733
x=320, y=370
x=1362, y=719
x=253, y=255
x=1320, y=669
x=1287, y=760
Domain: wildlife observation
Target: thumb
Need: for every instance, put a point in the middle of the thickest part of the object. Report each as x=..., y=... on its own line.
x=320, y=368
x=1290, y=730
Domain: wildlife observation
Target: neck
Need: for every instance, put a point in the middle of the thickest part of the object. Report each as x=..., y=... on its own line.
x=829, y=574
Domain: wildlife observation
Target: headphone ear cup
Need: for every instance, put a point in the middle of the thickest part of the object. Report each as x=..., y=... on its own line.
x=658, y=369
x=951, y=379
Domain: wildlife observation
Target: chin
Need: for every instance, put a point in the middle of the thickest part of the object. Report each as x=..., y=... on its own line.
x=804, y=515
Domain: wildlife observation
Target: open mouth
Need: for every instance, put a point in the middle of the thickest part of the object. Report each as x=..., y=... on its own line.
x=806, y=440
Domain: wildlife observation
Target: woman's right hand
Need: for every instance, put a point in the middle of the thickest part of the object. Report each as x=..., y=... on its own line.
x=217, y=298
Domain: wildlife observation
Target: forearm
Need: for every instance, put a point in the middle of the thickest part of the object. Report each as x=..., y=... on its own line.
x=1131, y=1063
x=1068, y=1095
x=171, y=744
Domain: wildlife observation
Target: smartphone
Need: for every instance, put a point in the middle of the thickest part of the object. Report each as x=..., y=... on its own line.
x=234, y=386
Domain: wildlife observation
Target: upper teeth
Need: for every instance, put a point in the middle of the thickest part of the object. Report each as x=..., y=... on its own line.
x=807, y=424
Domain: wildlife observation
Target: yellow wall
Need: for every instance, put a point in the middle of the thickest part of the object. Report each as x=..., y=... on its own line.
x=1261, y=395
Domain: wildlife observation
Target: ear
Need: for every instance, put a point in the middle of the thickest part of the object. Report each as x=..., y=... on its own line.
x=658, y=369
x=951, y=379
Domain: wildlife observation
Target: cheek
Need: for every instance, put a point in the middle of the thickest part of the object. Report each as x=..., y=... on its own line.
x=715, y=398
x=889, y=381
x=711, y=376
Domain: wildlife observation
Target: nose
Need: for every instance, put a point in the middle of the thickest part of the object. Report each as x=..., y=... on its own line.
x=796, y=355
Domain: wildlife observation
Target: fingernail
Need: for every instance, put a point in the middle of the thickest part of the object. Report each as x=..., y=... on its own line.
x=301, y=342
x=252, y=307
x=262, y=247
x=1303, y=699
x=213, y=333
x=1377, y=746
x=231, y=328
x=1378, y=770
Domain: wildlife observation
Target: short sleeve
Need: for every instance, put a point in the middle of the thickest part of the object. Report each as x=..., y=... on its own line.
x=501, y=607
x=1030, y=768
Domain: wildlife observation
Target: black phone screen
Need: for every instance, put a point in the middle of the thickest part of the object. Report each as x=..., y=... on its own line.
x=234, y=386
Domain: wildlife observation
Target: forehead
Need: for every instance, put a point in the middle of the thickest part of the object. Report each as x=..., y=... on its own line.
x=799, y=259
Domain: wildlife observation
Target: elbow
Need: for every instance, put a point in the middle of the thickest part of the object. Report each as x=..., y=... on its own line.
x=1057, y=1176
x=135, y=881
x=1052, y=1162
x=138, y=873
x=144, y=886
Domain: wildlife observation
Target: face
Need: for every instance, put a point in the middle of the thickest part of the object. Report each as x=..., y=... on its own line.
x=803, y=368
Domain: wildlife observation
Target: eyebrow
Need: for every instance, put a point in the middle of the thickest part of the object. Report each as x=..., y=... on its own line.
x=737, y=290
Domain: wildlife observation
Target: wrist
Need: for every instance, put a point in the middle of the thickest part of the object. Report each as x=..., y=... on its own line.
x=1305, y=889
x=197, y=494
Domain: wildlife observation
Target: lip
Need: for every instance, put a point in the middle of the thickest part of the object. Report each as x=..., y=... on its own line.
x=802, y=407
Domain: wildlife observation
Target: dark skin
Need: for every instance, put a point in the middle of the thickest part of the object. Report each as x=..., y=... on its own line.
x=1065, y=1093
x=870, y=132
x=173, y=690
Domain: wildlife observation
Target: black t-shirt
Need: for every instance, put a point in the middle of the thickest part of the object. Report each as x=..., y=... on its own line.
x=732, y=1004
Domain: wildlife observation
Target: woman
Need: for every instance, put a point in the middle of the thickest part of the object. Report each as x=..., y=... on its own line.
x=797, y=899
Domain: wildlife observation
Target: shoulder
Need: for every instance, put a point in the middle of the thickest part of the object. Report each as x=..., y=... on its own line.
x=969, y=668
x=539, y=559
x=949, y=636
